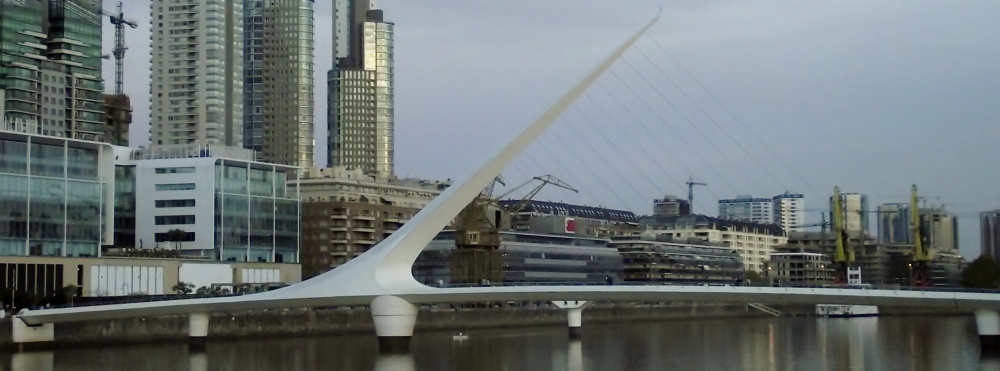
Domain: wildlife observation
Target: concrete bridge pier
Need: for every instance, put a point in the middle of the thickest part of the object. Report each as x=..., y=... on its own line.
x=198, y=331
x=29, y=337
x=988, y=326
x=394, y=320
x=574, y=315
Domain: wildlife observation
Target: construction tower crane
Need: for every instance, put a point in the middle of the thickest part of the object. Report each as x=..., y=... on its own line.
x=118, y=20
x=477, y=237
x=691, y=183
x=921, y=254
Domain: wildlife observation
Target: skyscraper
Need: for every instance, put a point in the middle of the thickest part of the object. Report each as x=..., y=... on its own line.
x=940, y=229
x=990, y=230
x=360, y=117
x=746, y=208
x=894, y=224
x=197, y=73
x=50, y=66
x=279, y=98
x=789, y=211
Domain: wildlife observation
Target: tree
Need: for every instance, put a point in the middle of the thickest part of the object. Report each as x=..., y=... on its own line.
x=176, y=236
x=983, y=273
x=183, y=288
x=69, y=292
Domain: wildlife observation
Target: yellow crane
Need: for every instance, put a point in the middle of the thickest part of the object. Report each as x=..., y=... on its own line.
x=477, y=236
x=921, y=254
x=844, y=255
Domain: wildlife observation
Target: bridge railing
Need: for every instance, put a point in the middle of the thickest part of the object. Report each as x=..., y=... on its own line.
x=147, y=299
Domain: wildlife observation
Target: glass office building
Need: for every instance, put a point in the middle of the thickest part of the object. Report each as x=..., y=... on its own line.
x=52, y=196
x=256, y=218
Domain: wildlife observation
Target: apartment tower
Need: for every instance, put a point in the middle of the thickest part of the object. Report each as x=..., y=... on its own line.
x=196, y=73
x=50, y=67
x=360, y=117
x=789, y=211
x=279, y=97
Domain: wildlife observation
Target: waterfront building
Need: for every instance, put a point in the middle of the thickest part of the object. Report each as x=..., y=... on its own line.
x=754, y=242
x=894, y=224
x=748, y=209
x=196, y=73
x=658, y=259
x=278, y=91
x=789, y=211
x=216, y=202
x=361, y=116
x=50, y=67
x=530, y=257
x=55, y=194
x=670, y=205
x=855, y=212
x=117, y=118
x=560, y=218
x=799, y=265
x=345, y=212
x=989, y=224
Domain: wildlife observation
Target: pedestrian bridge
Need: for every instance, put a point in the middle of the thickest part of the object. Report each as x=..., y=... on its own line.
x=381, y=277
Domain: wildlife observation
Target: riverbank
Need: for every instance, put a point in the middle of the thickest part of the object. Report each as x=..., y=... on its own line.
x=310, y=322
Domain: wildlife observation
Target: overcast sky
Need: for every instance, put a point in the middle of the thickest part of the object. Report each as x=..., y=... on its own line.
x=782, y=95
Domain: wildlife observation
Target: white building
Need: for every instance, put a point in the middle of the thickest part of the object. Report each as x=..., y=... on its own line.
x=753, y=241
x=215, y=202
x=196, y=74
x=748, y=209
x=789, y=211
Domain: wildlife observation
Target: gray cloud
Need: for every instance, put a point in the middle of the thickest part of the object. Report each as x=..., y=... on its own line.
x=871, y=96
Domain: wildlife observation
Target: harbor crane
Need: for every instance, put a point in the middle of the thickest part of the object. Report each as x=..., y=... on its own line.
x=922, y=256
x=843, y=256
x=477, y=238
x=117, y=19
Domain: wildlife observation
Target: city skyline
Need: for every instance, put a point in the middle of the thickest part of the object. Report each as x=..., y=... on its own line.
x=768, y=48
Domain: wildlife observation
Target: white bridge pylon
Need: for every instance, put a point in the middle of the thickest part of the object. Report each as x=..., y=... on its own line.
x=382, y=278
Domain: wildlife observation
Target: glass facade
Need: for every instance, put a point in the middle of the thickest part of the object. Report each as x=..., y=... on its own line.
x=361, y=114
x=125, y=206
x=278, y=91
x=52, y=67
x=51, y=200
x=256, y=219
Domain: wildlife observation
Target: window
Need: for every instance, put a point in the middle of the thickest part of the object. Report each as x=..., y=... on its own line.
x=174, y=219
x=174, y=203
x=166, y=237
x=174, y=170
x=175, y=187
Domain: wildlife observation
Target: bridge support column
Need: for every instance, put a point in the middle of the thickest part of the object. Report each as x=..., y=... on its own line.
x=988, y=326
x=574, y=315
x=29, y=337
x=394, y=321
x=198, y=331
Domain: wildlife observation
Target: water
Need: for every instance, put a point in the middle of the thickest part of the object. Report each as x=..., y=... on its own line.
x=890, y=343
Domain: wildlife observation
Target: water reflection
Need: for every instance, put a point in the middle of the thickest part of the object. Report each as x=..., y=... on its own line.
x=397, y=362
x=890, y=343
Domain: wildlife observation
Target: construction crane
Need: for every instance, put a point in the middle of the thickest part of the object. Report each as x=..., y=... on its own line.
x=477, y=237
x=843, y=256
x=118, y=20
x=691, y=183
x=921, y=254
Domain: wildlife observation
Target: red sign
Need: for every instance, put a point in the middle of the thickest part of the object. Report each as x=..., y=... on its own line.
x=570, y=225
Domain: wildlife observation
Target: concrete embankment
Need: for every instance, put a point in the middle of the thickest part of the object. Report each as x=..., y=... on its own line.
x=309, y=322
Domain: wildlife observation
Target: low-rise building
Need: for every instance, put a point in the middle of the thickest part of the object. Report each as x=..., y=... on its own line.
x=754, y=242
x=560, y=218
x=670, y=205
x=530, y=257
x=659, y=259
x=345, y=212
x=796, y=265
